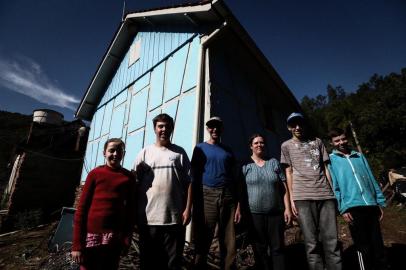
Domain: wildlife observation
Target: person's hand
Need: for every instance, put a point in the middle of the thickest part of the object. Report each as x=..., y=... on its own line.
x=288, y=216
x=237, y=215
x=186, y=217
x=347, y=217
x=77, y=257
x=294, y=210
x=381, y=213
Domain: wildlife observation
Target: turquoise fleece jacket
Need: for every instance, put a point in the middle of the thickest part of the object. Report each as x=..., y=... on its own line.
x=353, y=182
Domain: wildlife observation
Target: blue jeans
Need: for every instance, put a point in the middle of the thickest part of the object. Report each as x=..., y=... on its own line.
x=317, y=220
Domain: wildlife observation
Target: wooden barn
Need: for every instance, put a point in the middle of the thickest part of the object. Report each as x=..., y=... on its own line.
x=191, y=61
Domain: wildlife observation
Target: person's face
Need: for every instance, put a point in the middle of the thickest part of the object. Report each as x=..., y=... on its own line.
x=297, y=128
x=340, y=143
x=258, y=146
x=215, y=129
x=163, y=131
x=113, y=154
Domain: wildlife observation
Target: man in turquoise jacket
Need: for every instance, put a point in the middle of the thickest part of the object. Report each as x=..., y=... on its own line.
x=360, y=200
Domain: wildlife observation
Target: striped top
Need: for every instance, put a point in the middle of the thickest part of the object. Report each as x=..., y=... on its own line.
x=307, y=160
x=265, y=192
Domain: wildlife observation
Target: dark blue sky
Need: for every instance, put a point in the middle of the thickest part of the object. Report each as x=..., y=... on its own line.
x=50, y=49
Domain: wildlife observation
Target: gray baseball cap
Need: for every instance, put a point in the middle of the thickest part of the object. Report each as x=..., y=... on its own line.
x=293, y=116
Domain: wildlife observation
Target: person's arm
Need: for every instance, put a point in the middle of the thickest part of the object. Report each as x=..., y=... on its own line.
x=286, y=201
x=80, y=219
x=287, y=214
x=237, y=215
x=335, y=184
x=187, y=178
x=328, y=176
x=289, y=181
x=337, y=192
x=130, y=214
x=326, y=160
x=186, y=215
x=240, y=179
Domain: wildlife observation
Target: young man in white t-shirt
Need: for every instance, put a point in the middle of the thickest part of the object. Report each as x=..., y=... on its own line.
x=164, y=198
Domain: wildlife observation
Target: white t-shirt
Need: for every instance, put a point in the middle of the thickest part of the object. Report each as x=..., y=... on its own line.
x=163, y=175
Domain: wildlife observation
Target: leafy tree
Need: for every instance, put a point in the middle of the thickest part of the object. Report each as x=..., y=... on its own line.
x=377, y=110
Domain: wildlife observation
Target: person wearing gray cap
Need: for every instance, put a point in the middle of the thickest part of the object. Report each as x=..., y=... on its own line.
x=311, y=195
x=215, y=197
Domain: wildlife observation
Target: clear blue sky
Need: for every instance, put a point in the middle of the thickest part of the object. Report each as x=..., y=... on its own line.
x=50, y=49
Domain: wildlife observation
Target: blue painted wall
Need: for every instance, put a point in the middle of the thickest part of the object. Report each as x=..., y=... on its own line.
x=162, y=80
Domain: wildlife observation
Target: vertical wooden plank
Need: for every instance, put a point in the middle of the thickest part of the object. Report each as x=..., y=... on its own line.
x=147, y=49
x=167, y=44
x=122, y=76
x=151, y=50
x=143, y=49
x=174, y=38
x=135, y=71
x=107, y=118
x=125, y=69
x=117, y=122
x=138, y=110
x=119, y=79
x=114, y=82
x=99, y=122
x=161, y=46
x=99, y=156
x=190, y=78
x=183, y=132
x=133, y=142
x=156, y=86
x=156, y=49
x=174, y=73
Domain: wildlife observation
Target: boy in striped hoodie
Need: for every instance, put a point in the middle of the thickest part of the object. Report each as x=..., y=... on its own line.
x=360, y=200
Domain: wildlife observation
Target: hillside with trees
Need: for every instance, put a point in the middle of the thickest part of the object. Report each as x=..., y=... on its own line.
x=377, y=111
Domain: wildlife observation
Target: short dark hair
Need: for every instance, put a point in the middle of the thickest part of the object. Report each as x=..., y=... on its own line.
x=115, y=140
x=163, y=117
x=253, y=136
x=334, y=132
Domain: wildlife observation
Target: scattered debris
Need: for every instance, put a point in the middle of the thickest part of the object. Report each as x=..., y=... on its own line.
x=28, y=249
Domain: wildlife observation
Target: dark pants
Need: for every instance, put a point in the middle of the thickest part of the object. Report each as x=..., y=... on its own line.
x=218, y=207
x=161, y=247
x=366, y=234
x=317, y=220
x=268, y=233
x=101, y=258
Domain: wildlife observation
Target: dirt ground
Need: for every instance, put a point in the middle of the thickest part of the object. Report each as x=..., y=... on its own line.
x=28, y=249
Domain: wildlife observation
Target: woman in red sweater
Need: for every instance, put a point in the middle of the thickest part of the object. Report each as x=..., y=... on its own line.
x=105, y=215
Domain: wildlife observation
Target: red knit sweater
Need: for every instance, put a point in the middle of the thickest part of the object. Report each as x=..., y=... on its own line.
x=106, y=205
